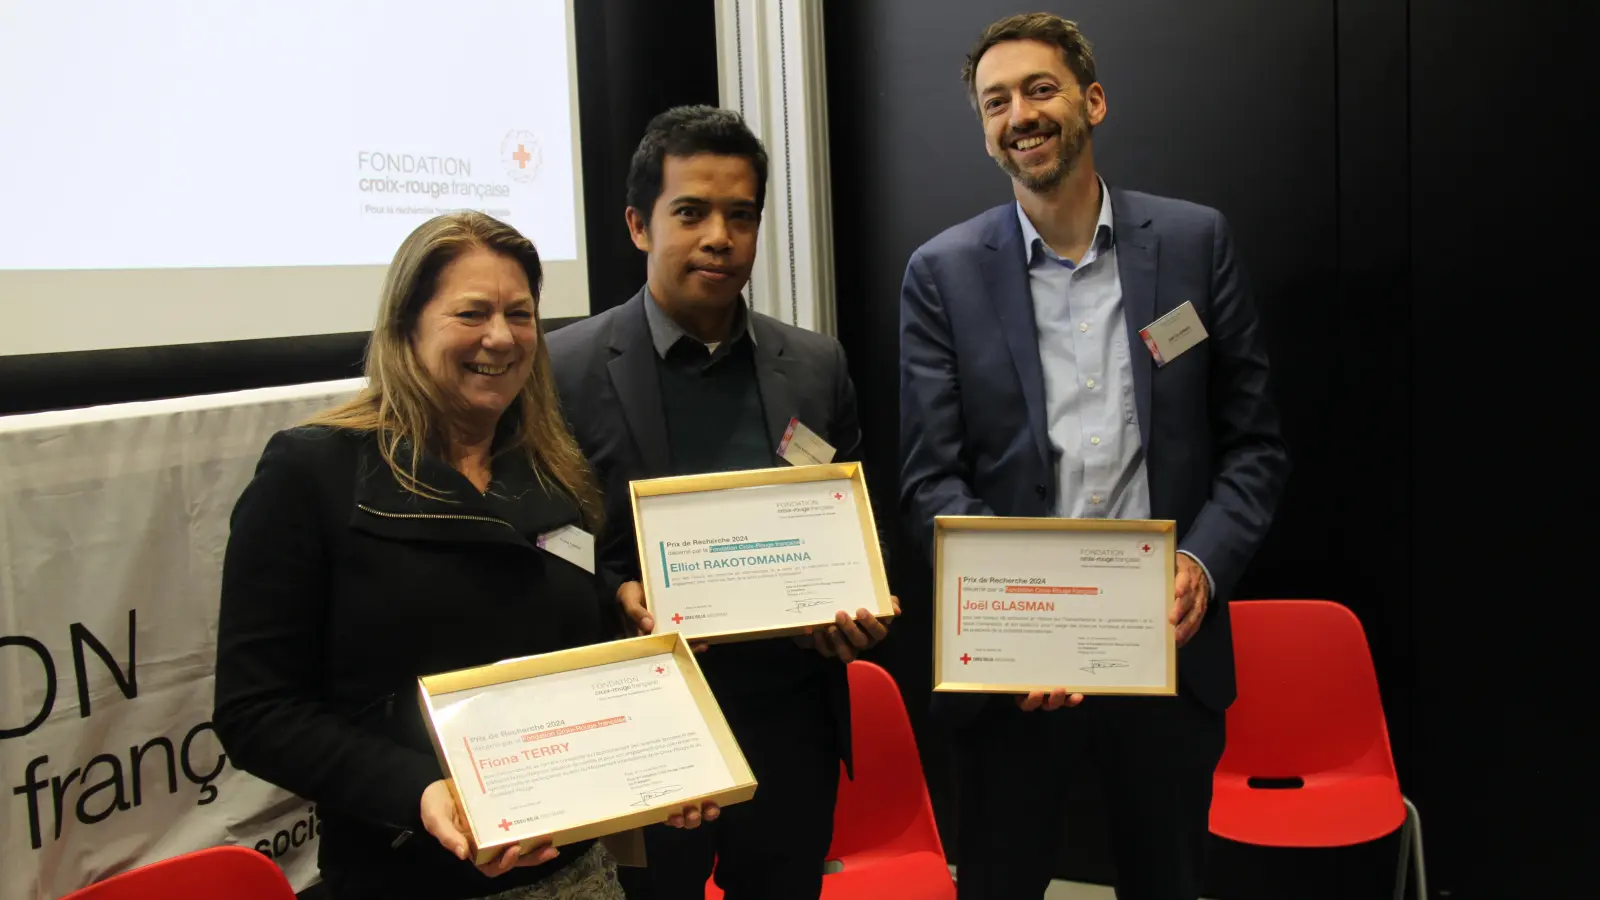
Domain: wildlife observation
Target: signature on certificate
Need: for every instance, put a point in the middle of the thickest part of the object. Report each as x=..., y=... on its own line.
x=1095, y=664
x=799, y=606
x=646, y=796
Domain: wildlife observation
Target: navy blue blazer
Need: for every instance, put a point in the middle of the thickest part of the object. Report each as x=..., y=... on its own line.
x=972, y=409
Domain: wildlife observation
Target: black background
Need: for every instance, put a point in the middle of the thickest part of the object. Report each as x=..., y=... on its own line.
x=1404, y=182
x=1396, y=175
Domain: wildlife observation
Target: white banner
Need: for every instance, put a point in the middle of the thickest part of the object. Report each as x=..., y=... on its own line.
x=113, y=523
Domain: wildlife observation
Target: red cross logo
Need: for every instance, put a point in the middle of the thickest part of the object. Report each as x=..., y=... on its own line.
x=677, y=619
x=522, y=156
x=965, y=659
x=837, y=495
x=505, y=824
x=1145, y=548
x=660, y=670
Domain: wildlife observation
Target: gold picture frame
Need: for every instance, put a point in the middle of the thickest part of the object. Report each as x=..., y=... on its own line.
x=484, y=847
x=945, y=526
x=882, y=606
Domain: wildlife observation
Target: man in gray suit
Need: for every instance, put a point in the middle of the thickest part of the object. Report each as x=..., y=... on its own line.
x=1037, y=379
x=682, y=379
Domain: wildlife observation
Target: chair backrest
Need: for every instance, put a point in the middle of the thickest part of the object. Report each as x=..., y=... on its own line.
x=223, y=873
x=1308, y=696
x=886, y=805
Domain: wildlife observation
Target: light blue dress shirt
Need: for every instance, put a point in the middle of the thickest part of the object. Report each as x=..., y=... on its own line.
x=1088, y=377
x=1090, y=411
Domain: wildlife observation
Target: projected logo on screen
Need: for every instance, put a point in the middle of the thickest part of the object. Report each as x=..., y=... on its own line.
x=404, y=176
x=519, y=153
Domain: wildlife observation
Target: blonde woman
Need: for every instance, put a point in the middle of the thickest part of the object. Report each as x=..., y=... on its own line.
x=395, y=536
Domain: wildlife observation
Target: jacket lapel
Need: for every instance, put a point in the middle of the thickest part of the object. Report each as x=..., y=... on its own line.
x=1138, y=252
x=532, y=505
x=636, y=384
x=773, y=373
x=1005, y=271
x=517, y=509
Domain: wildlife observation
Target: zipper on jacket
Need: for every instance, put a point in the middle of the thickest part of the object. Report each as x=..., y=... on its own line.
x=442, y=516
x=386, y=701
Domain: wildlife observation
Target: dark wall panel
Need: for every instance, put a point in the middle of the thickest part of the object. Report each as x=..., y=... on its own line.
x=1203, y=105
x=1229, y=104
x=1372, y=390
x=636, y=58
x=1233, y=105
x=1403, y=179
x=1502, y=263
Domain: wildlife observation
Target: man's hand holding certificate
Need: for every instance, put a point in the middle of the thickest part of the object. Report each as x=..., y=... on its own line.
x=764, y=553
x=1193, y=596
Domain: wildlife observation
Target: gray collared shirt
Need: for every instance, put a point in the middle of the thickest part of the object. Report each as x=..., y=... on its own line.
x=1088, y=376
x=665, y=333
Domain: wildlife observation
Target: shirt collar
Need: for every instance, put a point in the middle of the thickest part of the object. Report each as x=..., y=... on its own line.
x=665, y=333
x=1104, y=232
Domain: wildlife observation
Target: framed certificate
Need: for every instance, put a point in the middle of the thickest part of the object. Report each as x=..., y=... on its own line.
x=1025, y=604
x=762, y=553
x=581, y=743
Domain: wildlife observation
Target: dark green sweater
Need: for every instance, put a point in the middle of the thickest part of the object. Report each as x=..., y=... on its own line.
x=715, y=420
x=716, y=423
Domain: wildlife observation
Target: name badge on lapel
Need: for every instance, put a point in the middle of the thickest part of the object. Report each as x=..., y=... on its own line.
x=801, y=446
x=1170, y=336
x=572, y=544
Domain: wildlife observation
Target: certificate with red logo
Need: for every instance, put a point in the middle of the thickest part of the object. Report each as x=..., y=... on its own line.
x=1033, y=604
x=581, y=743
x=757, y=554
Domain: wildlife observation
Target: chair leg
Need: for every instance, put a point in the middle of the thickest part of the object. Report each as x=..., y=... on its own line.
x=1411, y=847
x=1416, y=848
x=1405, y=858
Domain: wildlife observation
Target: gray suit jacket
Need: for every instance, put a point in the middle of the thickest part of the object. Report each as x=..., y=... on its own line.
x=605, y=370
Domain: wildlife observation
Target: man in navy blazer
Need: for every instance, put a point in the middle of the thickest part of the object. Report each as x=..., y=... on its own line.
x=1026, y=390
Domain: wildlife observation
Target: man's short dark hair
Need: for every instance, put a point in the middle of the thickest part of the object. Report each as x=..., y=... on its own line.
x=1042, y=27
x=688, y=131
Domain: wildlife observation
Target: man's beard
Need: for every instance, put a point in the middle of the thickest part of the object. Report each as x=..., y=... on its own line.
x=1071, y=139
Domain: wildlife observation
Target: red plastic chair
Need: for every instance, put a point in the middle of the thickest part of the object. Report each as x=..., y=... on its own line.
x=1307, y=761
x=216, y=873
x=885, y=843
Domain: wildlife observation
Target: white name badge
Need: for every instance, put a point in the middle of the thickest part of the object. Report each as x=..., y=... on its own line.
x=572, y=544
x=801, y=446
x=1170, y=336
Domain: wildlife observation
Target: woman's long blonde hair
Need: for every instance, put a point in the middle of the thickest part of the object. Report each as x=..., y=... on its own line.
x=403, y=405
